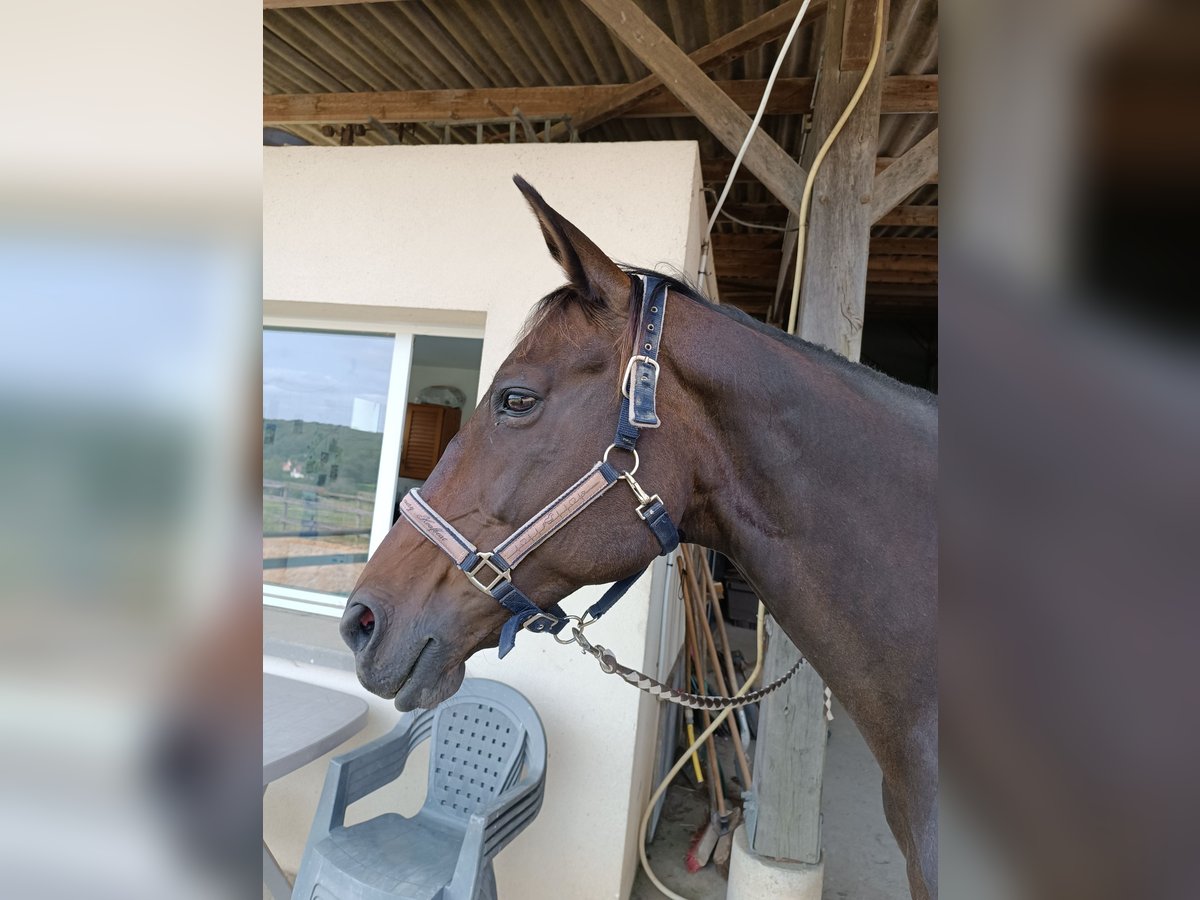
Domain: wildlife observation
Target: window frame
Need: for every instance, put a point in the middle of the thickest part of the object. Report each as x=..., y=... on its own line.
x=333, y=605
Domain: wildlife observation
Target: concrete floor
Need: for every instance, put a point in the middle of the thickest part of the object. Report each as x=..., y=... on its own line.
x=862, y=861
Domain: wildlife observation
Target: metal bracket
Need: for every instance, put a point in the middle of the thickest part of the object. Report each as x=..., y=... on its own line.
x=541, y=617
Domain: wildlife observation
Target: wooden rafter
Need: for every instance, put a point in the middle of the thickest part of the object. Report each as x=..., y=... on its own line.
x=772, y=240
x=716, y=171
x=909, y=172
x=911, y=217
x=737, y=43
x=775, y=168
x=790, y=96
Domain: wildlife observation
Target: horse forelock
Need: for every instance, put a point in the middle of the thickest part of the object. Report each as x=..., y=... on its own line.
x=552, y=313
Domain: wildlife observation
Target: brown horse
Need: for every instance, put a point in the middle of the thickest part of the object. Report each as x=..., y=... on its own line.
x=814, y=474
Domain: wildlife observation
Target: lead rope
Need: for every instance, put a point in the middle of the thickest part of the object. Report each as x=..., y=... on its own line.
x=643, y=682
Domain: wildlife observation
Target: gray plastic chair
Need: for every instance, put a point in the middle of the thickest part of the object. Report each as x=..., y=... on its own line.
x=487, y=769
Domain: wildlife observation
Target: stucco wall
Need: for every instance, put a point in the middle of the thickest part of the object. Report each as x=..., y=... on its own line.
x=440, y=236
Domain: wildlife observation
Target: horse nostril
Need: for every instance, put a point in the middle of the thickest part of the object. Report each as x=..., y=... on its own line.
x=358, y=626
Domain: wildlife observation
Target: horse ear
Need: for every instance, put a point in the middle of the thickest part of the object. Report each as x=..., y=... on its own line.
x=587, y=267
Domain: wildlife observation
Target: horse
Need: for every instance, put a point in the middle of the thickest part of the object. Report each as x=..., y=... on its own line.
x=814, y=474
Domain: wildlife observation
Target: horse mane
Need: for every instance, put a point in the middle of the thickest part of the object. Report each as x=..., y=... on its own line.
x=549, y=310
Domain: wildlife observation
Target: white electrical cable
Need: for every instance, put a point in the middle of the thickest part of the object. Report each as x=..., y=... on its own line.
x=682, y=761
x=802, y=237
x=762, y=107
x=734, y=218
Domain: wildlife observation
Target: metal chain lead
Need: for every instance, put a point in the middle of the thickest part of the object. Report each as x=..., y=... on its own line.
x=644, y=682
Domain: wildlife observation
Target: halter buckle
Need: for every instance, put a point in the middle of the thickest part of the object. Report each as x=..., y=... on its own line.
x=541, y=617
x=626, y=379
x=650, y=501
x=485, y=559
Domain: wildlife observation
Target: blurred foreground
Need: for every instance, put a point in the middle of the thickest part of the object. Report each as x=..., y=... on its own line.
x=129, y=261
x=1070, y=455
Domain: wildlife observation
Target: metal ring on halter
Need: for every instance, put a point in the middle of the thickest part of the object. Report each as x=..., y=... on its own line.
x=636, y=461
x=568, y=640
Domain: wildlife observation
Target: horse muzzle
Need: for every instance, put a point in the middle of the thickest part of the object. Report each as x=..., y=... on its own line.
x=412, y=668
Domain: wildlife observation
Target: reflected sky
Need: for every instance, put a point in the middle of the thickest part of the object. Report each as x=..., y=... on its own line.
x=317, y=376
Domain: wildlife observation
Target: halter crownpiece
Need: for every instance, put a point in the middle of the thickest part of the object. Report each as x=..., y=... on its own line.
x=491, y=571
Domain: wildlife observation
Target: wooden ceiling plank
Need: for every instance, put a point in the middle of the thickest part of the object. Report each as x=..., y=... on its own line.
x=895, y=262
x=357, y=29
x=280, y=68
x=562, y=48
x=898, y=246
x=892, y=276
x=327, y=30
x=600, y=53
x=405, y=46
x=909, y=95
x=296, y=30
x=466, y=33
x=910, y=171
x=484, y=18
x=299, y=60
x=440, y=39
x=911, y=217
x=533, y=48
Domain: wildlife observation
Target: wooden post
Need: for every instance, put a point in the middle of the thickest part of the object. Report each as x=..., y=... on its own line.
x=789, y=758
x=833, y=295
x=790, y=754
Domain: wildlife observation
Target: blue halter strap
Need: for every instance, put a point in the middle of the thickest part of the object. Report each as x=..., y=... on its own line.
x=491, y=571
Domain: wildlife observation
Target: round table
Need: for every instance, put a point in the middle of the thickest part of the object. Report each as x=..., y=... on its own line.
x=301, y=722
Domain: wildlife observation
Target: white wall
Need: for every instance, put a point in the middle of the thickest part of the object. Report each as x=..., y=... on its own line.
x=440, y=238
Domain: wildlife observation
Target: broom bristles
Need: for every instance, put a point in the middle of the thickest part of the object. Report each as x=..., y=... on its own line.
x=701, y=847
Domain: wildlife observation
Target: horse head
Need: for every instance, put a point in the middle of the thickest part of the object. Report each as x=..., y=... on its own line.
x=414, y=617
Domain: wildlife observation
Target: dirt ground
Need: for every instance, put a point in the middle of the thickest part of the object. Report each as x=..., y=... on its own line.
x=333, y=579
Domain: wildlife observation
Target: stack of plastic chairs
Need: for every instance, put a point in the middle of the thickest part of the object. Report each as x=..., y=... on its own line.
x=487, y=767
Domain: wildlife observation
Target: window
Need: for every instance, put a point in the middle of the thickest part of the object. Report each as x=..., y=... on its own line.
x=334, y=406
x=324, y=402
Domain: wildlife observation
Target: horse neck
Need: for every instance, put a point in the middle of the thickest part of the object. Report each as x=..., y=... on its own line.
x=811, y=474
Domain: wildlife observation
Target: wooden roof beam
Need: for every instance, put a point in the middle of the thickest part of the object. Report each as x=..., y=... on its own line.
x=790, y=96
x=716, y=171
x=723, y=242
x=737, y=43
x=910, y=171
x=911, y=217
x=775, y=168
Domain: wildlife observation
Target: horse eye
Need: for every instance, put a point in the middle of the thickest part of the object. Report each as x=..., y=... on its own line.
x=518, y=404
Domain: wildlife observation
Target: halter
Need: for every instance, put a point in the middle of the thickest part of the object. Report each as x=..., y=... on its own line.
x=491, y=571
